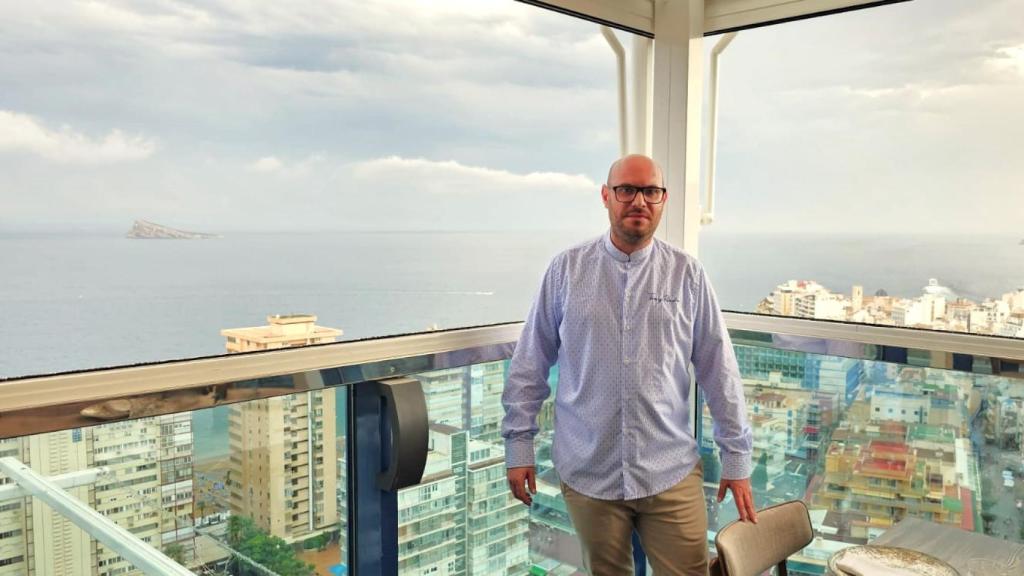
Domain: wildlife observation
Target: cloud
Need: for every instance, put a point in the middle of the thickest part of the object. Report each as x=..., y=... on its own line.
x=875, y=130
x=23, y=133
x=451, y=177
x=273, y=164
x=1009, y=58
x=425, y=194
x=266, y=164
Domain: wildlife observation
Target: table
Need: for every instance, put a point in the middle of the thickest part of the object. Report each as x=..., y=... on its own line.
x=972, y=554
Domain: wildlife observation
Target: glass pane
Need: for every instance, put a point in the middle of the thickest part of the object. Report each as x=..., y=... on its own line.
x=554, y=547
x=462, y=518
x=867, y=179
x=216, y=490
x=867, y=443
x=348, y=168
x=143, y=482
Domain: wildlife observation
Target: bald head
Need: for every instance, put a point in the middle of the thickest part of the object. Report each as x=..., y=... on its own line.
x=627, y=166
x=633, y=218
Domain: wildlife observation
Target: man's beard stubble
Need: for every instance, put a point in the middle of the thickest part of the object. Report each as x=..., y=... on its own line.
x=630, y=236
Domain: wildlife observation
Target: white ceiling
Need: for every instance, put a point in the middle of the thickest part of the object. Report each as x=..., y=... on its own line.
x=719, y=15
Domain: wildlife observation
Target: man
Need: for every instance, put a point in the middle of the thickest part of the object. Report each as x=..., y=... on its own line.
x=624, y=316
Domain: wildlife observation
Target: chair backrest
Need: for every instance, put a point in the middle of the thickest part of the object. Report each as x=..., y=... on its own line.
x=747, y=549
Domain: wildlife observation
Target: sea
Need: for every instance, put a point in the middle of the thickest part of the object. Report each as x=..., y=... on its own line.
x=88, y=300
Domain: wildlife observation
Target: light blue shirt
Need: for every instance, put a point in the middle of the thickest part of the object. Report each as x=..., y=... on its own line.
x=624, y=329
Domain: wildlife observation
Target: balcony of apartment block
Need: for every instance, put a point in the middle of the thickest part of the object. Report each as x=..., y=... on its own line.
x=297, y=459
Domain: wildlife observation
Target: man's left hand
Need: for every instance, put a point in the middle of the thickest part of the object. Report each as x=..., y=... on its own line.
x=743, y=496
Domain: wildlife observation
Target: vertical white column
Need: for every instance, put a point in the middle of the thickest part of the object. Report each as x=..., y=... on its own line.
x=676, y=122
x=640, y=105
x=677, y=87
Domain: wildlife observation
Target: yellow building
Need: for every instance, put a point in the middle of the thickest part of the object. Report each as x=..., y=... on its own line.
x=283, y=451
x=282, y=331
x=886, y=481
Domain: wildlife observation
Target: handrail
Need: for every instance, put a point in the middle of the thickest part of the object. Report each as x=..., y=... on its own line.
x=31, y=405
x=56, y=402
x=835, y=332
x=148, y=559
x=92, y=385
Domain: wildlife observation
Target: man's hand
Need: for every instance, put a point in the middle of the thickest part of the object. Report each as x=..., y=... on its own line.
x=743, y=495
x=523, y=482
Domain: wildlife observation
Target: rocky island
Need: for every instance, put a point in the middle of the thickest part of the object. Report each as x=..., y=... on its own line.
x=144, y=230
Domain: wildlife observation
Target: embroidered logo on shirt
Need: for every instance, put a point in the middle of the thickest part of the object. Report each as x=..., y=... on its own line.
x=654, y=297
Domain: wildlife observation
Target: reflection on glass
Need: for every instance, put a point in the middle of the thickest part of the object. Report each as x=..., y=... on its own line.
x=144, y=484
x=461, y=519
x=219, y=491
x=867, y=443
x=258, y=483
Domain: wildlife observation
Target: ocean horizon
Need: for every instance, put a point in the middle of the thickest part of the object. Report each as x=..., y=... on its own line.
x=109, y=301
x=77, y=301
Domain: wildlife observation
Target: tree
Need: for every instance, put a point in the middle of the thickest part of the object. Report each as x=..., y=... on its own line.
x=987, y=499
x=175, y=552
x=759, y=479
x=987, y=518
x=239, y=529
x=318, y=542
x=270, y=551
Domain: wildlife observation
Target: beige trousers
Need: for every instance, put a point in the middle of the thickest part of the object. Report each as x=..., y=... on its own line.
x=672, y=526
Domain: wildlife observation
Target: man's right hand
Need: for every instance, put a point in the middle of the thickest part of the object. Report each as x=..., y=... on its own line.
x=523, y=483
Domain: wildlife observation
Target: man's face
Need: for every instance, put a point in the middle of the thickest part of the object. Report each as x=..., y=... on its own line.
x=633, y=221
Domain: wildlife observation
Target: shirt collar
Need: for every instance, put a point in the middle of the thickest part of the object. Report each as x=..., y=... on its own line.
x=620, y=256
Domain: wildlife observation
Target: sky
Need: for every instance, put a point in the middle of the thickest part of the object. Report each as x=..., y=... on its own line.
x=230, y=115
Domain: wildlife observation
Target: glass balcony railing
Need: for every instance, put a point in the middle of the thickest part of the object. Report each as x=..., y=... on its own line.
x=867, y=432
x=275, y=462
x=464, y=494
x=250, y=487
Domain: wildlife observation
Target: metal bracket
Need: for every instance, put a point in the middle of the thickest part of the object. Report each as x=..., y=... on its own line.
x=406, y=416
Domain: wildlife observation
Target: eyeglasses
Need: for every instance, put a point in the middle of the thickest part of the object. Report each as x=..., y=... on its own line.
x=627, y=193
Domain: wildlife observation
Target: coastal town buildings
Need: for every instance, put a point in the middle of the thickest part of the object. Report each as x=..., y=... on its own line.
x=937, y=308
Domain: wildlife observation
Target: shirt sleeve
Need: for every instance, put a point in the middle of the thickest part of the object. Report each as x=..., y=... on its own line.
x=527, y=387
x=718, y=376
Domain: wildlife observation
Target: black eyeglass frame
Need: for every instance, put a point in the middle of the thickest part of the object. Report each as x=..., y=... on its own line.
x=645, y=190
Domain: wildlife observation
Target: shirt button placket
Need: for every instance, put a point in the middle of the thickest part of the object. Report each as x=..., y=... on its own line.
x=627, y=388
x=632, y=382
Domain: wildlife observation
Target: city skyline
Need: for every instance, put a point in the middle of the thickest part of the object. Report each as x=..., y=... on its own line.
x=864, y=443
x=936, y=308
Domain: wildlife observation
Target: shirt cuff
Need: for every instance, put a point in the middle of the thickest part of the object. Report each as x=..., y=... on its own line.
x=735, y=466
x=519, y=452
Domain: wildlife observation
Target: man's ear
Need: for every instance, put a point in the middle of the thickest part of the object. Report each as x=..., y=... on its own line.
x=604, y=194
